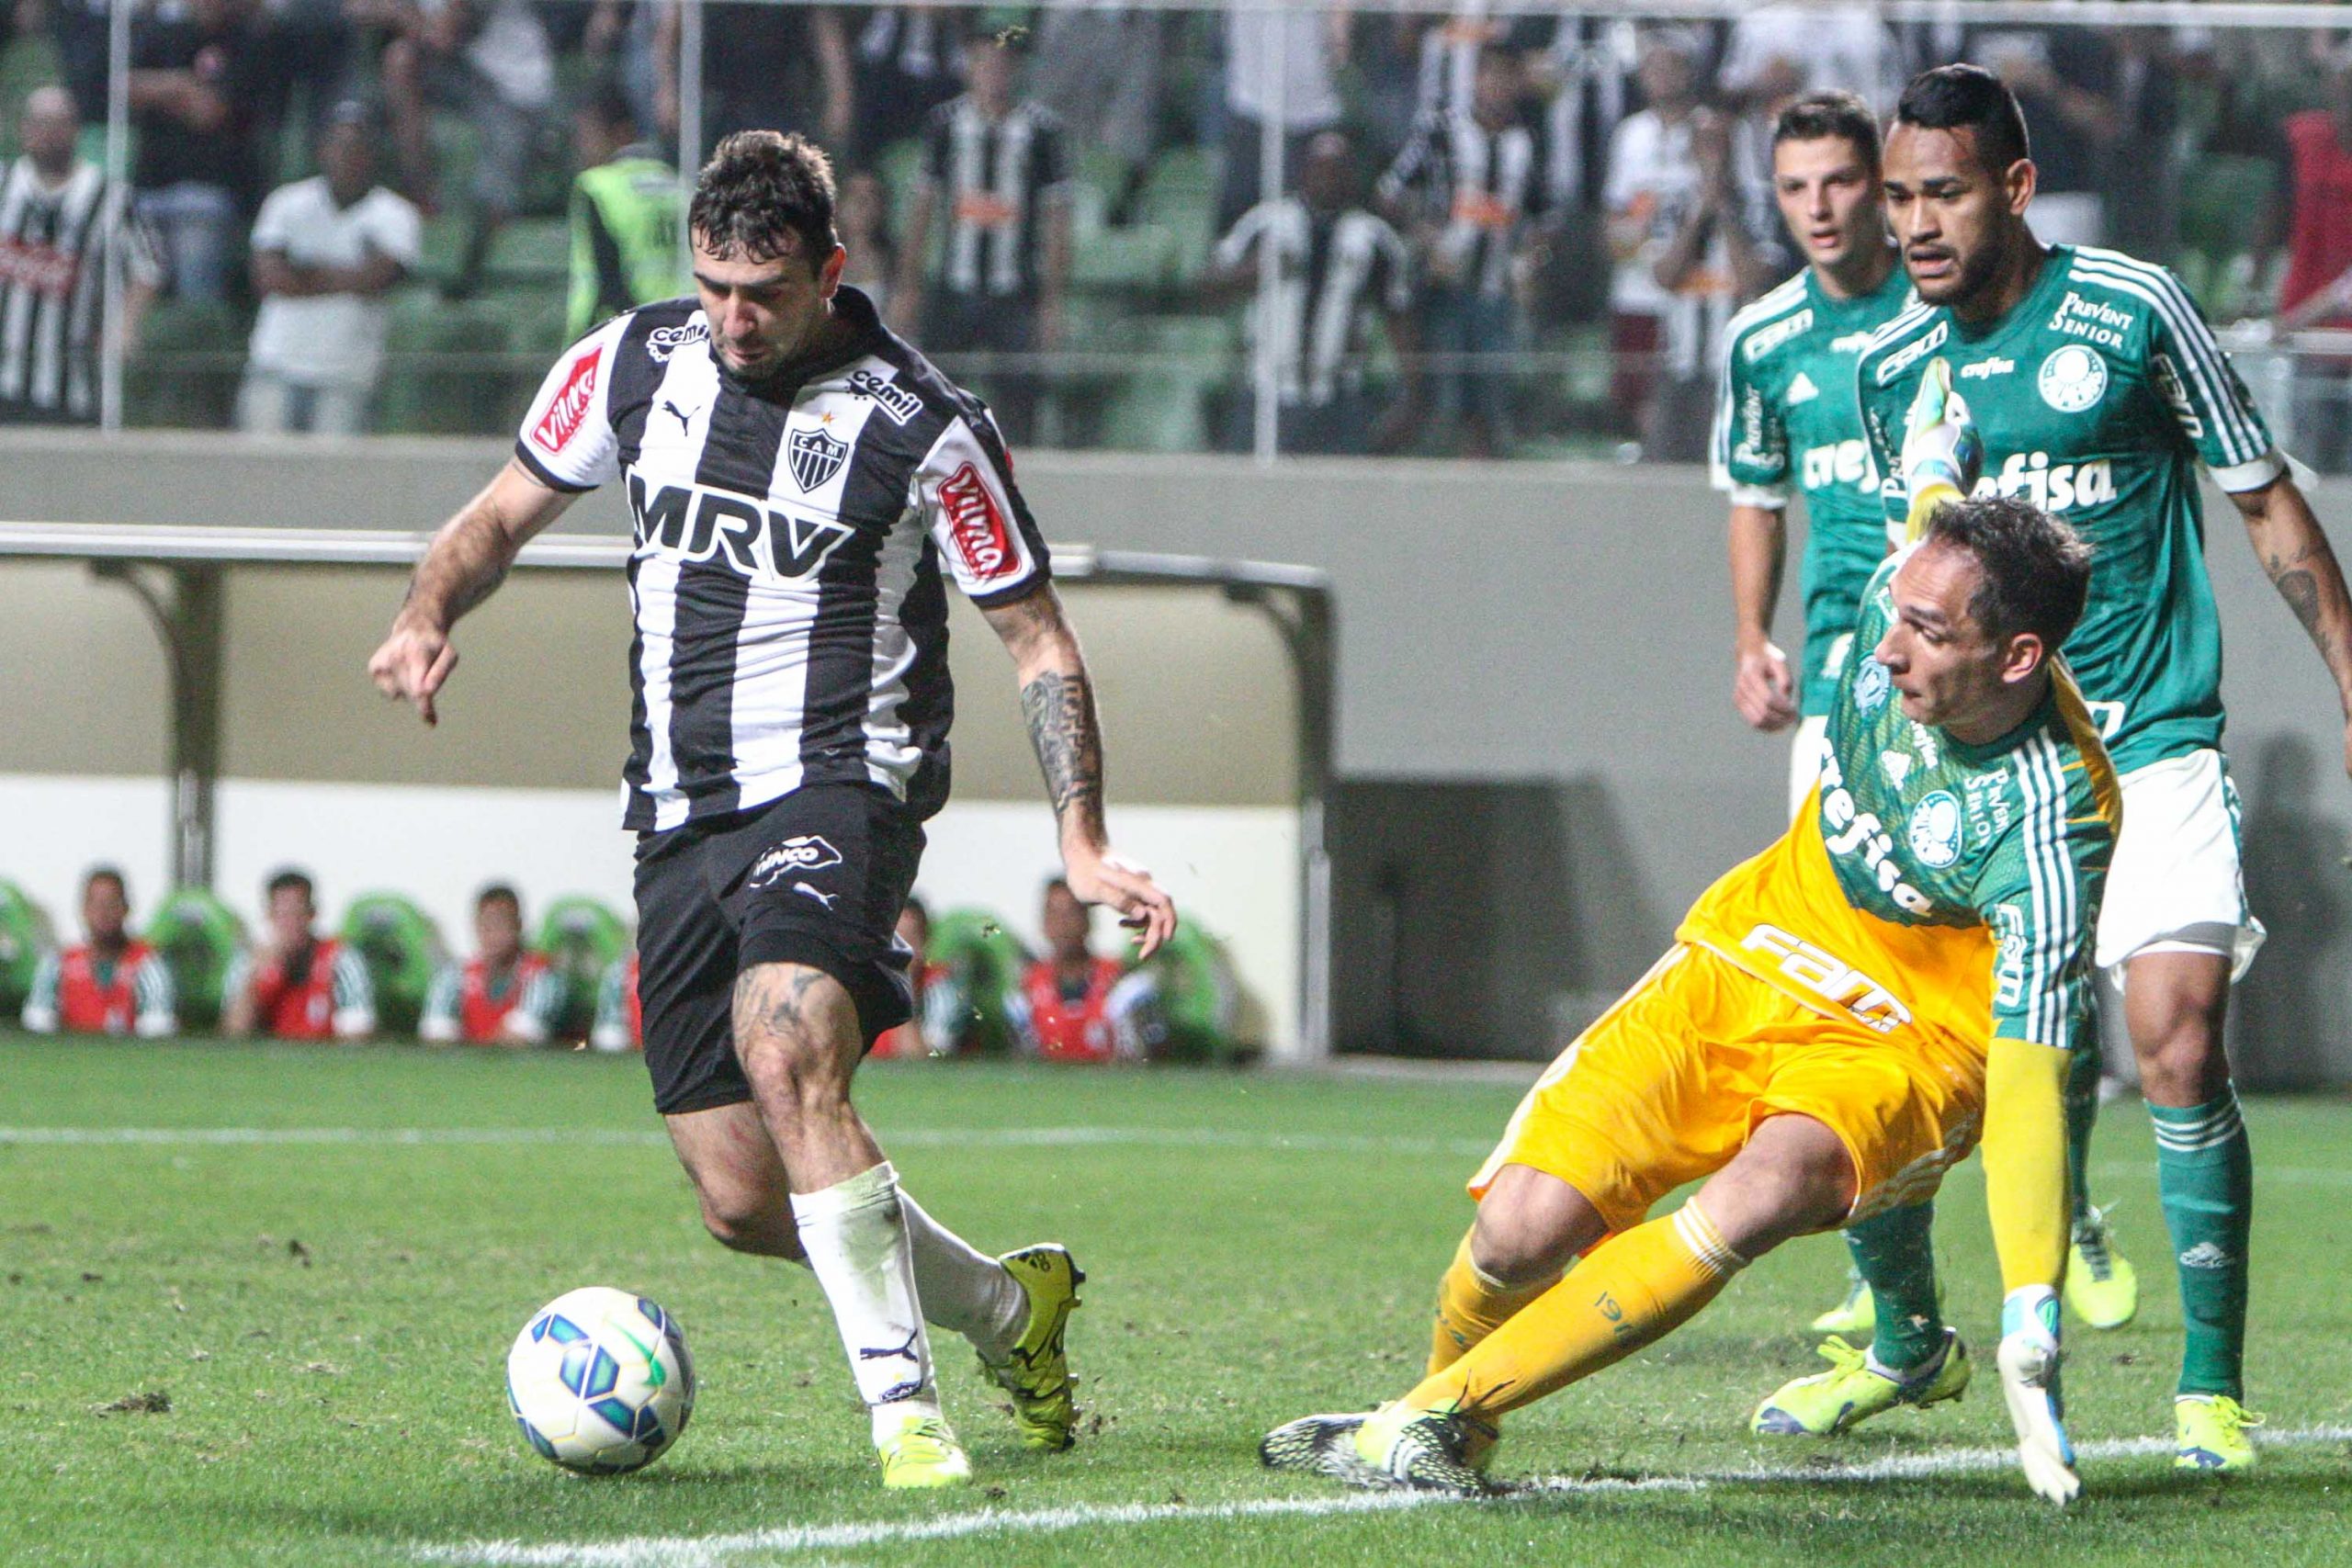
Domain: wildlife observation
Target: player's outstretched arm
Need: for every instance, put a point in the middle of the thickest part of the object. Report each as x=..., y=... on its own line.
x=2294, y=548
x=463, y=566
x=1059, y=701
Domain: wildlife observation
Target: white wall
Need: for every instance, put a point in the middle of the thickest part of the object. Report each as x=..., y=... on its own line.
x=1233, y=868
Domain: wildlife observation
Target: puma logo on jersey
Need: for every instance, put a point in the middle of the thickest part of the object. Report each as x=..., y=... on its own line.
x=686, y=421
x=1830, y=977
x=1801, y=389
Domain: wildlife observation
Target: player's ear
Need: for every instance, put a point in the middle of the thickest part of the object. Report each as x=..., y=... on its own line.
x=2019, y=184
x=2026, y=654
x=829, y=275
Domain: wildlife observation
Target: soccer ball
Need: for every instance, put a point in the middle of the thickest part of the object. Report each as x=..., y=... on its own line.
x=600, y=1381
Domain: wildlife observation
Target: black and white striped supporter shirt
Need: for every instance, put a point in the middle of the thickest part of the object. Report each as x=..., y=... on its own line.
x=55, y=243
x=791, y=616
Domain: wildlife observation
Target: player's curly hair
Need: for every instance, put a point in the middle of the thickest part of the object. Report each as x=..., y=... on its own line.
x=2037, y=569
x=763, y=194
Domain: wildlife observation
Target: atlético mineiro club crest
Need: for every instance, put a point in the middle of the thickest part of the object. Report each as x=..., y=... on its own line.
x=815, y=457
x=570, y=410
x=977, y=526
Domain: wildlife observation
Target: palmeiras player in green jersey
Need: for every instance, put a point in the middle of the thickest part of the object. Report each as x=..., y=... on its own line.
x=1785, y=420
x=2096, y=389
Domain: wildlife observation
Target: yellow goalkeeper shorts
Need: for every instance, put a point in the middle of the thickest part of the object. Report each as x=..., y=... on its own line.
x=1665, y=1085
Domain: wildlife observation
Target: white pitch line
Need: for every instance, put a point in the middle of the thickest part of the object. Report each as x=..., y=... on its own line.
x=704, y=1551
x=909, y=1138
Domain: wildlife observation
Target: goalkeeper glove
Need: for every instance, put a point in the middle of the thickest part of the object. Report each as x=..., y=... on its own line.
x=1942, y=452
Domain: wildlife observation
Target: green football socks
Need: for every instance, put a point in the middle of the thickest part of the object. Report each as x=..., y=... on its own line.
x=1894, y=1252
x=2205, y=1178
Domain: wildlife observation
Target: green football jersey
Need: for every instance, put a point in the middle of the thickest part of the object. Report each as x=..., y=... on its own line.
x=2097, y=395
x=1785, y=420
x=2013, y=835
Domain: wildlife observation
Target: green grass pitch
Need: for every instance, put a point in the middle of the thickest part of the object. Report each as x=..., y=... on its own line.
x=319, y=1255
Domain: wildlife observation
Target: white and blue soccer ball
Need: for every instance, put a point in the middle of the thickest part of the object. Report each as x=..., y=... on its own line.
x=600, y=1381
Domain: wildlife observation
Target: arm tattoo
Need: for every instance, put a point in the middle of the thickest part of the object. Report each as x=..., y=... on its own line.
x=2301, y=593
x=1062, y=727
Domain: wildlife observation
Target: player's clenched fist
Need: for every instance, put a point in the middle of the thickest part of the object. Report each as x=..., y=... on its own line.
x=1942, y=451
x=411, y=665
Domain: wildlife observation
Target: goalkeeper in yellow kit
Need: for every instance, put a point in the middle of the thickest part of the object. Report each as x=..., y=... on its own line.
x=1841, y=1021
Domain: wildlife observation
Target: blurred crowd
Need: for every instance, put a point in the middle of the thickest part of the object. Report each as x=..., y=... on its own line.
x=1497, y=230
x=385, y=972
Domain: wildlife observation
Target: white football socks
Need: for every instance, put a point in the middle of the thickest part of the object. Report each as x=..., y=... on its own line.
x=963, y=1289
x=856, y=1237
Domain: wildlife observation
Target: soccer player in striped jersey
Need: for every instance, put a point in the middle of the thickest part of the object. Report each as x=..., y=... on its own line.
x=112, y=983
x=2097, y=390
x=1839, y=1018
x=803, y=483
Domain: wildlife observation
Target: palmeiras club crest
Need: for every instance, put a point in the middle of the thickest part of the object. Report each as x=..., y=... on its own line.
x=816, y=458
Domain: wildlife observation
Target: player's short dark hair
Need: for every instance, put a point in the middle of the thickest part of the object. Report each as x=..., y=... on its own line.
x=2037, y=569
x=1968, y=97
x=764, y=195
x=98, y=873
x=500, y=893
x=287, y=876
x=1062, y=883
x=1817, y=116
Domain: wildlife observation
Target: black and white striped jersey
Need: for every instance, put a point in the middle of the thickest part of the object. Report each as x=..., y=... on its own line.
x=791, y=614
x=1477, y=187
x=53, y=255
x=1332, y=271
x=995, y=177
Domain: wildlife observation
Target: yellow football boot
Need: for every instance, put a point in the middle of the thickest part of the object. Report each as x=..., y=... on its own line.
x=1856, y=1317
x=1035, y=1372
x=2211, y=1434
x=924, y=1453
x=1852, y=1391
x=2102, y=1288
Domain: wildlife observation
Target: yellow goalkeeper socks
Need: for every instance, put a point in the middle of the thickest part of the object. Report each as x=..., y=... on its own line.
x=1649, y=1280
x=2025, y=1161
x=1471, y=1304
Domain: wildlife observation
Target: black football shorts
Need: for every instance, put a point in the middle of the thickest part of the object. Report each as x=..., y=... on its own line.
x=817, y=878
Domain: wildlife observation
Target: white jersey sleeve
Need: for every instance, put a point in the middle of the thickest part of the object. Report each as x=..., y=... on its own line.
x=963, y=488
x=567, y=439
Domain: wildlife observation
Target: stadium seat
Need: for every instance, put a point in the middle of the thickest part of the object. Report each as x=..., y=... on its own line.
x=582, y=938
x=185, y=375
x=1200, y=996
x=198, y=936
x=25, y=935
x=402, y=949
x=1180, y=197
x=987, y=962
